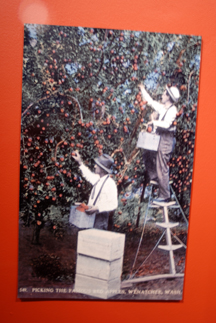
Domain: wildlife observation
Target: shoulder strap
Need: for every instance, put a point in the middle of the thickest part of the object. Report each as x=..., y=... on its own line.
x=100, y=190
x=166, y=113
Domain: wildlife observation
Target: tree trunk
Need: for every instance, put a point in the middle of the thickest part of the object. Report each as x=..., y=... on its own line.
x=145, y=182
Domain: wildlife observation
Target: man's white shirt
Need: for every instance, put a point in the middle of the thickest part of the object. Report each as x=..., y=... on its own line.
x=159, y=107
x=108, y=198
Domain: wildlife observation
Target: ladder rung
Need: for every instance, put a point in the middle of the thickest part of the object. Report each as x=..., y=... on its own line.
x=172, y=247
x=167, y=225
x=174, y=207
x=153, y=206
x=153, y=182
x=156, y=183
x=164, y=203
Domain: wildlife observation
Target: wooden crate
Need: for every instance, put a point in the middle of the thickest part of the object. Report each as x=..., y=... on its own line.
x=101, y=244
x=81, y=219
x=97, y=287
x=100, y=268
x=149, y=141
x=99, y=263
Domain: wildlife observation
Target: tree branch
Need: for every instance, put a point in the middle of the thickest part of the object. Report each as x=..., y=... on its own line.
x=143, y=113
x=57, y=147
x=189, y=85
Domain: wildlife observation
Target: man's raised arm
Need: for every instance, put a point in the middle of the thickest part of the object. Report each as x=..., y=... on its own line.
x=154, y=104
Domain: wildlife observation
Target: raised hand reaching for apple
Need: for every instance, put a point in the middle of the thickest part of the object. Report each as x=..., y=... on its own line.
x=75, y=154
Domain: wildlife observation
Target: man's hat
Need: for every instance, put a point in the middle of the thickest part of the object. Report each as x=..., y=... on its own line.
x=105, y=162
x=173, y=93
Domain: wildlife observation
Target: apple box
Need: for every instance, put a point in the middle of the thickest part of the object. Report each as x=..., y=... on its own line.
x=97, y=287
x=149, y=141
x=101, y=244
x=80, y=219
x=99, y=263
x=99, y=268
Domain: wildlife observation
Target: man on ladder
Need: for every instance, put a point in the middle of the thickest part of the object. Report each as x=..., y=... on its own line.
x=165, y=127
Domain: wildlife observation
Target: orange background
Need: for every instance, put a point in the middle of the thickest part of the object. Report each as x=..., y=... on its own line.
x=195, y=17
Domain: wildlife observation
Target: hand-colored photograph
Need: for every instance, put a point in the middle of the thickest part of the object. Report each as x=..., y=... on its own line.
x=107, y=143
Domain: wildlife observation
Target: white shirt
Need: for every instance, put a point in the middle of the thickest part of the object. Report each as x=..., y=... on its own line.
x=108, y=198
x=160, y=108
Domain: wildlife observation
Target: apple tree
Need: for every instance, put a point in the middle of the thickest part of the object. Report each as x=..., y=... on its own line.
x=80, y=92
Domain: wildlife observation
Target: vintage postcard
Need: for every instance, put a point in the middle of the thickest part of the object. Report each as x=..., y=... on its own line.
x=106, y=162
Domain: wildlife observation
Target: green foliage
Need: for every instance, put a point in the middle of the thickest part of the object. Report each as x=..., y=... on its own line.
x=80, y=91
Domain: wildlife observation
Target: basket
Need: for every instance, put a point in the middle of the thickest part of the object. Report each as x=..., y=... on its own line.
x=149, y=141
x=80, y=219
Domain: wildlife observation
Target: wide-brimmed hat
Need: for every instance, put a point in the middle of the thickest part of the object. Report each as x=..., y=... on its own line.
x=105, y=162
x=173, y=93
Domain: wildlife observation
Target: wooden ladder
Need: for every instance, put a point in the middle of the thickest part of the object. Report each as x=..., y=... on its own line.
x=167, y=225
x=174, y=205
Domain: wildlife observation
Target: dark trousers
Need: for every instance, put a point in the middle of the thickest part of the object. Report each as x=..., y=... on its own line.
x=101, y=220
x=157, y=163
x=104, y=220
